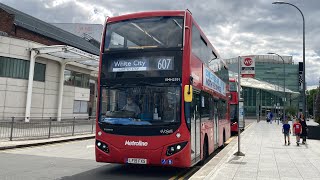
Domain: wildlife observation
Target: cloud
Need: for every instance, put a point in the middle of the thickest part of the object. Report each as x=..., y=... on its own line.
x=233, y=27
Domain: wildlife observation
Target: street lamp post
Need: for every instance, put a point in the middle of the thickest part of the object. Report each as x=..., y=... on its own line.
x=304, y=64
x=284, y=86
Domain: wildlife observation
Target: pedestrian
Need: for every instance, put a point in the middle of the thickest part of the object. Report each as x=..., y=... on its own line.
x=286, y=132
x=270, y=117
x=304, y=133
x=297, y=130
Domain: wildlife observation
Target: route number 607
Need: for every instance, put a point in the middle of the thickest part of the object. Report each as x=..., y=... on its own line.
x=164, y=64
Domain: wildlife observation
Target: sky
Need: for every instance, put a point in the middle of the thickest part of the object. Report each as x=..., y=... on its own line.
x=234, y=27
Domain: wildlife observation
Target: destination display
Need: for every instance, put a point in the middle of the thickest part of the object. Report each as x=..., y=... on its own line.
x=158, y=63
x=213, y=82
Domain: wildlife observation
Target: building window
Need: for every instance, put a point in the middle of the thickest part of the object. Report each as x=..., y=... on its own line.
x=68, y=78
x=39, y=72
x=72, y=78
x=80, y=106
x=18, y=68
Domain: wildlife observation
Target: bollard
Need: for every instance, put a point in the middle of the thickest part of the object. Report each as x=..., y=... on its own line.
x=50, y=121
x=73, y=122
x=11, y=131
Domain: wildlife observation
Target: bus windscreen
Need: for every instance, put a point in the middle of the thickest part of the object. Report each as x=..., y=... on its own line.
x=140, y=105
x=163, y=32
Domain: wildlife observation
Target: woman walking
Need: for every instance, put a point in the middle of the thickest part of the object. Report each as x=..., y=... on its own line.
x=304, y=133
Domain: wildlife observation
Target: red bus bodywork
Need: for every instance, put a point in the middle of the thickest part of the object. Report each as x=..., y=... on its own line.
x=153, y=148
x=234, y=102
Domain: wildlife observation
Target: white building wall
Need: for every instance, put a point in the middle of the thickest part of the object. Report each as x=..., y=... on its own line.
x=13, y=92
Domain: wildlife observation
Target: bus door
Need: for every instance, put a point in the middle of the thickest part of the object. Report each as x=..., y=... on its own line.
x=195, y=128
x=216, y=123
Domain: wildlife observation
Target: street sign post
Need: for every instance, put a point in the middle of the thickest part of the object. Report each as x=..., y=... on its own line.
x=248, y=66
x=239, y=153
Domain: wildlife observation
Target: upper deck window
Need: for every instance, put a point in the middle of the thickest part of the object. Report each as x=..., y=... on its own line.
x=164, y=32
x=200, y=47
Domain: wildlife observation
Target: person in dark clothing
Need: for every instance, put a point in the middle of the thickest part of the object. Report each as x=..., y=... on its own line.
x=304, y=133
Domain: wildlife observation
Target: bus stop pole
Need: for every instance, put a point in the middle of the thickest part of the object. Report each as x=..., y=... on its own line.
x=239, y=153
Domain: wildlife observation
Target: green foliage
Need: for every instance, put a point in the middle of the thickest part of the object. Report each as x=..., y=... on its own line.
x=291, y=111
x=311, y=97
x=317, y=108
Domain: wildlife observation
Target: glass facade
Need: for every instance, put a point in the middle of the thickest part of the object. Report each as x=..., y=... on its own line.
x=270, y=68
x=18, y=68
x=72, y=78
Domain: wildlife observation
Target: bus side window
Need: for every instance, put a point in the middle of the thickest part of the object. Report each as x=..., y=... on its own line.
x=211, y=110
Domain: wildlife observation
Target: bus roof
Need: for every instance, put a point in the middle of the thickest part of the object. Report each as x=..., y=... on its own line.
x=146, y=14
x=231, y=79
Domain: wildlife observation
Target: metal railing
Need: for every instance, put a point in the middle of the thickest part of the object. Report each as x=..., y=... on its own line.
x=15, y=128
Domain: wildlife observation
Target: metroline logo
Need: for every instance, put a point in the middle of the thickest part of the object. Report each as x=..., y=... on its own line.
x=135, y=143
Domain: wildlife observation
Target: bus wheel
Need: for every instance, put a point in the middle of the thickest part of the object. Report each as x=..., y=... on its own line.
x=205, y=151
x=224, y=139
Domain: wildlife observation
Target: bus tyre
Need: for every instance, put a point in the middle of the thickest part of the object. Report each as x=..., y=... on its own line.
x=205, y=151
x=224, y=139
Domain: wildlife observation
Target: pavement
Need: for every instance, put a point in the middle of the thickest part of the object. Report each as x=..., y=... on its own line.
x=266, y=157
x=28, y=143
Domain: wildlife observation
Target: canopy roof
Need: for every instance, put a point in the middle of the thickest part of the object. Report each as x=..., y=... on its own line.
x=263, y=85
x=66, y=54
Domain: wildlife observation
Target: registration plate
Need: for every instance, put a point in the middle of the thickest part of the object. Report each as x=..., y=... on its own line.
x=136, y=161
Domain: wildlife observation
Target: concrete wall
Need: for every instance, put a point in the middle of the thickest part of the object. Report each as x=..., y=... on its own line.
x=45, y=94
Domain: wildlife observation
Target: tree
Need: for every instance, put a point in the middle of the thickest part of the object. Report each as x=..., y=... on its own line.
x=291, y=111
x=311, y=97
x=317, y=107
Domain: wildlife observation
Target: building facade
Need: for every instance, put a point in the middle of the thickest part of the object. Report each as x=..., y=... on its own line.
x=59, y=89
x=271, y=69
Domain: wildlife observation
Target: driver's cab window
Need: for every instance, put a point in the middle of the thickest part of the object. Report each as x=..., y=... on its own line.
x=141, y=103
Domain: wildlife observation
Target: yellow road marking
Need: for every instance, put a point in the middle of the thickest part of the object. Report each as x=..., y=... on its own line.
x=192, y=170
x=248, y=126
x=188, y=173
x=229, y=140
x=178, y=175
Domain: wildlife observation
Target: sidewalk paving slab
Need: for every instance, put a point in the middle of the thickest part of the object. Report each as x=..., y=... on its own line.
x=27, y=143
x=266, y=157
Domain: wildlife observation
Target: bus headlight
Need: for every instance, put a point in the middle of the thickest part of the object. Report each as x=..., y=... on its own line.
x=102, y=146
x=175, y=148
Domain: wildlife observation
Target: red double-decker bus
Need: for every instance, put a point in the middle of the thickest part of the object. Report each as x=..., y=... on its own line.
x=159, y=103
x=234, y=104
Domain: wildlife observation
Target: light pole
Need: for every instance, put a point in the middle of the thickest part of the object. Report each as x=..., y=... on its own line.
x=303, y=56
x=284, y=86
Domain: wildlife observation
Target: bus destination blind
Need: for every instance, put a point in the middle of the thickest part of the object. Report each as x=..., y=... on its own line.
x=161, y=63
